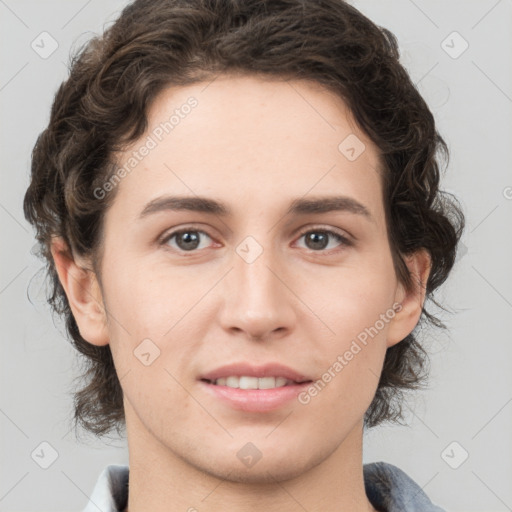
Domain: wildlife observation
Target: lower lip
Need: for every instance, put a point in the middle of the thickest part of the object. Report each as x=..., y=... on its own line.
x=255, y=400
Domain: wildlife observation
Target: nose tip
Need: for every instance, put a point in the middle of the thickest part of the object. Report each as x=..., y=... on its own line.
x=259, y=335
x=257, y=302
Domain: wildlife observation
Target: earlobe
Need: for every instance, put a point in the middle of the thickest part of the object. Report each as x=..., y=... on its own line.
x=83, y=293
x=411, y=302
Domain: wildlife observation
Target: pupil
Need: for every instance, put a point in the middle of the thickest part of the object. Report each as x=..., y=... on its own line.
x=313, y=237
x=188, y=239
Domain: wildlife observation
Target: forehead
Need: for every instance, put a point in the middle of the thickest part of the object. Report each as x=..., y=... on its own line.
x=258, y=143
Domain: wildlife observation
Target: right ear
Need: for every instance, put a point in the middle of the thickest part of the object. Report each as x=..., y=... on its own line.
x=83, y=293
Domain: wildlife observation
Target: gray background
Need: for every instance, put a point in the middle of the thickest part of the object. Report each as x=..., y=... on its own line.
x=470, y=394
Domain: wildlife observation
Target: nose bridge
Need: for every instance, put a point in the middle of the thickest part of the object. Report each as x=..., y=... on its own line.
x=257, y=300
x=253, y=265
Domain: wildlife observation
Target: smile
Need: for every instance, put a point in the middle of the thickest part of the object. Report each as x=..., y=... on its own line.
x=246, y=382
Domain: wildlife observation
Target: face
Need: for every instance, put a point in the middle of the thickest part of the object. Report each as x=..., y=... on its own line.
x=265, y=279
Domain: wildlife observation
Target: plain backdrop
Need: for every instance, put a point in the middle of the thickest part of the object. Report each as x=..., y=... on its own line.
x=458, y=442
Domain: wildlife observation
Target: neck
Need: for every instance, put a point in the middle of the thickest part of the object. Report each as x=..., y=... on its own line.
x=160, y=480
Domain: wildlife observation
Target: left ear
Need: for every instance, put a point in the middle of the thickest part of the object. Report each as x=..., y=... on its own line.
x=411, y=302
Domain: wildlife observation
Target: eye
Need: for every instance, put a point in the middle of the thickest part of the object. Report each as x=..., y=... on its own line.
x=187, y=239
x=318, y=239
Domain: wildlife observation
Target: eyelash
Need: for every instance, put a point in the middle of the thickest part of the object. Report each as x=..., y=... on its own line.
x=340, y=238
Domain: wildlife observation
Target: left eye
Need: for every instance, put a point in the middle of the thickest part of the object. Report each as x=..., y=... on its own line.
x=188, y=240
x=318, y=239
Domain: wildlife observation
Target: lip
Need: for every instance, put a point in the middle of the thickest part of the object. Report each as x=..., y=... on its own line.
x=243, y=368
x=254, y=400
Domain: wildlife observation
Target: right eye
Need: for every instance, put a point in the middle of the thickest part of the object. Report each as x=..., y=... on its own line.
x=186, y=240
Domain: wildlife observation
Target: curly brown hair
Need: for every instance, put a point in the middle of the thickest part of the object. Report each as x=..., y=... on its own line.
x=154, y=44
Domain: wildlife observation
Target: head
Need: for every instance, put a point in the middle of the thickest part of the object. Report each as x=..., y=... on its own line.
x=272, y=102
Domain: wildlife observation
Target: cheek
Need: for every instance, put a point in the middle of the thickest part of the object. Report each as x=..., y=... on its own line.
x=150, y=300
x=351, y=363
x=355, y=306
x=350, y=299
x=158, y=318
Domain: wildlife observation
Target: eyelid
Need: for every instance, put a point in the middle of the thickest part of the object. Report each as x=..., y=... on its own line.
x=327, y=229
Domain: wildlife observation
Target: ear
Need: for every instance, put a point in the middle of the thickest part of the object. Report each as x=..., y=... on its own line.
x=83, y=293
x=410, y=303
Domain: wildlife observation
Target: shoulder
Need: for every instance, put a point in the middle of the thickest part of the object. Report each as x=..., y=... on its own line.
x=392, y=490
x=110, y=493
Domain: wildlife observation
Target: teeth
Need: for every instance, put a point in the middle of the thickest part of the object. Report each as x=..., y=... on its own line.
x=248, y=383
x=267, y=383
x=280, y=381
x=245, y=382
x=232, y=382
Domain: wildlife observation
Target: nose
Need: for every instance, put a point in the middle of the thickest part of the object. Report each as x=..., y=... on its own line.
x=259, y=303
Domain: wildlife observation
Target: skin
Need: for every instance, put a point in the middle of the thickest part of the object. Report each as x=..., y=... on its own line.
x=255, y=145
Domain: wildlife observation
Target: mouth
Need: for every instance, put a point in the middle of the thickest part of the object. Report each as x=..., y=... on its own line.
x=248, y=382
x=249, y=388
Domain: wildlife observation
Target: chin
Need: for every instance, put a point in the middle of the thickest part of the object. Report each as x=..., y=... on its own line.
x=273, y=468
x=263, y=475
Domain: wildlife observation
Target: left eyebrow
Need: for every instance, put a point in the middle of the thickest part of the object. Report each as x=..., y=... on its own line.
x=327, y=204
x=300, y=206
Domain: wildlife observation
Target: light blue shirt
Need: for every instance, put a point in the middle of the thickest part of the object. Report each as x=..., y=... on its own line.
x=388, y=488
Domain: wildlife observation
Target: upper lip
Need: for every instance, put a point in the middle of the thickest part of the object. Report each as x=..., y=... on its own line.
x=250, y=370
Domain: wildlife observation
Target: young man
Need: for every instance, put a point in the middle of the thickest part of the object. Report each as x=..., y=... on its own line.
x=239, y=206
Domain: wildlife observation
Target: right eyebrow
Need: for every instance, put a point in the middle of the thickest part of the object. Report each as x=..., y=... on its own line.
x=190, y=203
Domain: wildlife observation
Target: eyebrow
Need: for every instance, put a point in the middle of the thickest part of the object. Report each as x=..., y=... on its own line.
x=301, y=206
